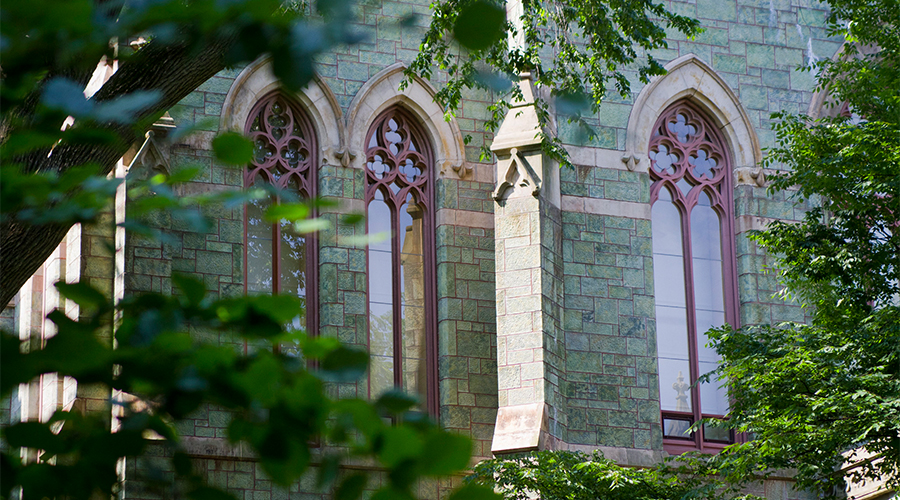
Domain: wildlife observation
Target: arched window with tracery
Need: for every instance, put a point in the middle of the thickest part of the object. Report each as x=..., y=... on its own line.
x=401, y=269
x=694, y=270
x=278, y=259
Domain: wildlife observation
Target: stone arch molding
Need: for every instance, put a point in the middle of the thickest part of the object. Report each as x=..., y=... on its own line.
x=691, y=78
x=381, y=92
x=823, y=104
x=319, y=102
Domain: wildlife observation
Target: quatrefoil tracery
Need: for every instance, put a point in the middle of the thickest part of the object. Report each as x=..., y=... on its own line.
x=687, y=155
x=282, y=144
x=395, y=160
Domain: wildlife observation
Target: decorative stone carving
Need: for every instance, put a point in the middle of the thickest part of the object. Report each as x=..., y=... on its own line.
x=750, y=176
x=630, y=161
x=343, y=155
x=153, y=154
x=462, y=169
x=519, y=174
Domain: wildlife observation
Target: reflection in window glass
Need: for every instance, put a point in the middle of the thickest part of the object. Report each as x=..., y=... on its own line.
x=259, y=248
x=413, y=298
x=381, y=293
x=671, y=316
x=283, y=157
x=709, y=301
x=397, y=194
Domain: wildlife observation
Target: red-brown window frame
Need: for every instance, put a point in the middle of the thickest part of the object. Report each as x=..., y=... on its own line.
x=720, y=191
x=305, y=179
x=425, y=192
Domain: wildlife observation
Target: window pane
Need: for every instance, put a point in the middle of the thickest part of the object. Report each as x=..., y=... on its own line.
x=413, y=294
x=713, y=397
x=293, y=267
x=674, y=384
x=668, y=279
x=671, y=316
x=706, y=248
x=668, y=260
x=259, y=248
x=677, y=427
x=716, y=434
x=381, y=310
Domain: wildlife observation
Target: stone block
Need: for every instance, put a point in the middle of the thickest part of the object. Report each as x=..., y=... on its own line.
x=791, y=58
x=761, y=56
x=214, y=263
x=754, y=97
x=717, y=9
x=729, y=63
x=616, y=437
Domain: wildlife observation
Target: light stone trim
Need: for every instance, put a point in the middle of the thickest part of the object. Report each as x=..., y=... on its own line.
x=319, y=102
x=822, y=104
x=746, y=223
x=520, y=428
x=611, y=208
x=610, y=159
x=690, y=77
x=626, y=457
x=383, y=91
x=467, y=218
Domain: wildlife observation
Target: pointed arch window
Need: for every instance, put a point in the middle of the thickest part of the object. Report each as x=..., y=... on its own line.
x=278, y=259
x=401, y=295
x=694, y=270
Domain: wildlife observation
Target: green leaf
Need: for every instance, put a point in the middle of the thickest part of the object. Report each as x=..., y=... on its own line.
x=479, y=25
x=396, y=401
x=67, y=96
x=209, y=493
x=311, y=225
x=391, y=493
x=193, y=289
x=399, y=444
x=364, y=240
x=82, y=294
x=124, y=109
x=455, y=452
x=287, y=211
x=35, y=435
x=473, y=491
x=344, y=365
x=280, y=308
x=353, y=219
x=233, y=148
x=351, y=487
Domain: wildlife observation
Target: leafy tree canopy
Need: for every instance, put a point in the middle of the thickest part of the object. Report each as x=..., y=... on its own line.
x=566, y=475
x=575, y=50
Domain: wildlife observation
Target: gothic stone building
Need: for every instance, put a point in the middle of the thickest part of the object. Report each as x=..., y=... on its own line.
x=530, y=307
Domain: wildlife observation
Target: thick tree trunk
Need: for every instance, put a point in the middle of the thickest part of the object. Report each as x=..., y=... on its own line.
x=174, y=70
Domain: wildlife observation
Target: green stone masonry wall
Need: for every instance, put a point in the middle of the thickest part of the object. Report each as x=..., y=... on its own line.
x=757, y=281
x=610, y=332
x=756, y=46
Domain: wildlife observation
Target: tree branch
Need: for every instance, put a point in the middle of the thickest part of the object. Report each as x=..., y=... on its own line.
x=174, y=70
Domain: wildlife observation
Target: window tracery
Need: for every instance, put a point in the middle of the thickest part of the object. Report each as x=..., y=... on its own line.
x=694, y=269
x=277, y=258
x=402, y=338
